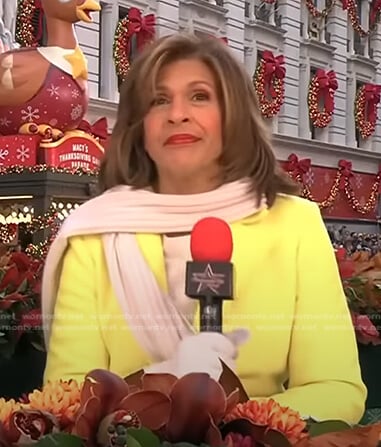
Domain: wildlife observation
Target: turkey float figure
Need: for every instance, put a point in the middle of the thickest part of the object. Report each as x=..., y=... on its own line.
x=43, y=90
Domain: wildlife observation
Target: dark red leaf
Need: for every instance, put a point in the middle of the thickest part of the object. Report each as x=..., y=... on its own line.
x=11, y=277
x=159, y=382
x=88, y=419
x=188, y=424
x=152, y=408
x=198, y=390
x=107, y=386
x=21, y=260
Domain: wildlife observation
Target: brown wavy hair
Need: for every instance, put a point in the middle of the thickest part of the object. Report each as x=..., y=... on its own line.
x=247, y=150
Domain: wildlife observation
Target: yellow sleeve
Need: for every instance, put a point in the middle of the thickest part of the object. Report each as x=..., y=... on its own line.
x=76, y=346
x=324, y=372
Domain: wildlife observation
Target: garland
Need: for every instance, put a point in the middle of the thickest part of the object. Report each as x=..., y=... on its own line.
x=296, y=169
x=269, y=81
x=26, y=35
x=7, y=233
x=133, y=25
x=20, y=169
x=9, y=230
x=120, y=49
x=47, y=220
x=315, y=12
x=322, y=88
x=351, y=7
x=367, y=100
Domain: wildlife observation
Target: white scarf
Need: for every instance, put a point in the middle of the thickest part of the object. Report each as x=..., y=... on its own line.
x=117, y=216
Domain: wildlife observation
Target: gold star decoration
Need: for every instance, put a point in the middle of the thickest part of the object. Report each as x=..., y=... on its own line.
x=78, y=62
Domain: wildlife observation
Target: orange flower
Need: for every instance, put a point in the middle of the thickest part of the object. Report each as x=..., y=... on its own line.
x=7, y=408
x=271, y=414
x=60, y=398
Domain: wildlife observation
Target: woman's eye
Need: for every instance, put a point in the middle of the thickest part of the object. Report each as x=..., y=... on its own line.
x=159, y=101
x=201, y=96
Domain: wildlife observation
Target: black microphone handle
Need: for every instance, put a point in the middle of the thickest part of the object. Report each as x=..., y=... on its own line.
x=211, y=314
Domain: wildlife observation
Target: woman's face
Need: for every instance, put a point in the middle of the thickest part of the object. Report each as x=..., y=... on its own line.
x=182, y=130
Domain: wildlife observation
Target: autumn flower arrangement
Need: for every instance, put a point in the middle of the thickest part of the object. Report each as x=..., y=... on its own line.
x=20, y=315
x=160, y=410
x=361, y=277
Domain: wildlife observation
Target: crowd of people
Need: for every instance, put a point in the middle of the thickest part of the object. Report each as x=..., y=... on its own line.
x=352, y=241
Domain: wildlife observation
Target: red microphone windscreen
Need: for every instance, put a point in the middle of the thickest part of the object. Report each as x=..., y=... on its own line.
x=211, y=240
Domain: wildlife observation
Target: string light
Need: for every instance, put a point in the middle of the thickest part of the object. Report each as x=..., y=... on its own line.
x=319, y=118
x=36, y=169
x=364, y=126
x=8, y=233
x=315, y=12
x=354, y=17
x=51, y=219
x=25, y=32
x=120, y=48
x=334, y=191
x=269, y=107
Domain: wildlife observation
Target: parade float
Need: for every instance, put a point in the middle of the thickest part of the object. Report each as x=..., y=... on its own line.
x=49, y=153
x=49, y=160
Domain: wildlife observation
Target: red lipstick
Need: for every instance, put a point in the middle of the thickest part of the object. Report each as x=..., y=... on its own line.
x=181, y=138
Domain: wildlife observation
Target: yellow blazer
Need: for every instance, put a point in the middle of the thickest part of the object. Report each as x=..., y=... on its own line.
x=287, y=292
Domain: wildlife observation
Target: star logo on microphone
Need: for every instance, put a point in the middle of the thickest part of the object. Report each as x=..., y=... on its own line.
x=208, y=280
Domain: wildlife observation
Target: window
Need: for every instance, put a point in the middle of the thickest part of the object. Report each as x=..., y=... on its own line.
x=247, y=9
x=263, y=11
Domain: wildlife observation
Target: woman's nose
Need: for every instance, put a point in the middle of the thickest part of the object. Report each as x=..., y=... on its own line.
x=178, y=111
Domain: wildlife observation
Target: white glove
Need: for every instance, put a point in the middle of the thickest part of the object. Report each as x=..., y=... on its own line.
x=203, y=353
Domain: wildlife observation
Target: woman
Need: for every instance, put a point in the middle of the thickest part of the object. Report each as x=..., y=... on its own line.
x=189, y=142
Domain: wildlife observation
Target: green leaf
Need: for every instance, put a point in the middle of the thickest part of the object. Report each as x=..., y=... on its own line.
x=320, y=428
x=132, y=442
x=144, y=437
x=60, y=440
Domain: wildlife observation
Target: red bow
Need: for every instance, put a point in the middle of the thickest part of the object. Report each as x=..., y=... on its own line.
x=298, y=167
x=141, y=26
x=344, y=4
x=372, y=98
x=345, y=168
x=327, y=85
x=225, y=39
x=274, y=66
x=99, y=129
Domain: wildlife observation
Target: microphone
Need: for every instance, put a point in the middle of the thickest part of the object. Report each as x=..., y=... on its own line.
x=209, y=277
